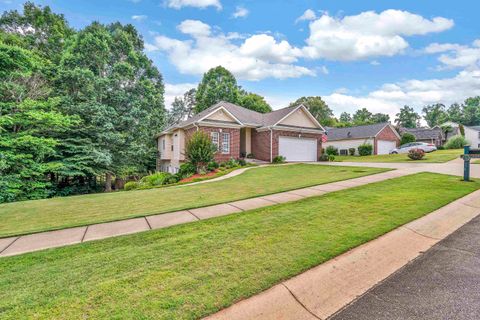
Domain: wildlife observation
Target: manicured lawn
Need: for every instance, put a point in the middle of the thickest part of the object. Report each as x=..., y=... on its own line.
x=40, y=215
x=189, y=271
x=438, y=156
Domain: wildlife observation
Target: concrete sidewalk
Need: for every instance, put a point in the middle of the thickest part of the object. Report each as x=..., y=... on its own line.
x=323, y=290
x=51, y=239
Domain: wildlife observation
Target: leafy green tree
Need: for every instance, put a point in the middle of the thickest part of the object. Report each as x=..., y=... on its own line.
x=318, y=108
x=455, y=113
x=217, y=84
x=434, y=114
x=200, y=150
x=407, y=137
x=345, y=117
x=182, y=107
x=380, y=118
x=471, y=111
x=407, y=117
x=362, y=116
x=254, y=102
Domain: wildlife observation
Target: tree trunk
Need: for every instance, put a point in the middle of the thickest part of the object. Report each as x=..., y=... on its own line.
x=108, y=182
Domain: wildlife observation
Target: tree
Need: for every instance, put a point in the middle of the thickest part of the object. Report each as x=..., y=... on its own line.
x=407, y=137
x=217, y=84
x=362, y=116
x=434, y=114
x=345, y=118
x=407, y=117
x=318, y=108
x=455, y=113
x=254, y=102
x=471, y=111
x=200, y=150
x=182, y=107
x=380, y=118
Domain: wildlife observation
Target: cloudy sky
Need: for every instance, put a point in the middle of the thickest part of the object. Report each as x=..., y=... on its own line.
x=375, y=54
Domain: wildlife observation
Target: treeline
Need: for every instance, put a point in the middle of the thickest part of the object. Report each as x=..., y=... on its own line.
x=75, y=105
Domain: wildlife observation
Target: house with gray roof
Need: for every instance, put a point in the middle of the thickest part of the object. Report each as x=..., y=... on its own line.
x=292, y=132
x=471, y=133
x=428, y=135
x=382, y=136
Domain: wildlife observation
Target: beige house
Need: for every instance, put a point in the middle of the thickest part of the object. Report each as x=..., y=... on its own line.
x=237, y=132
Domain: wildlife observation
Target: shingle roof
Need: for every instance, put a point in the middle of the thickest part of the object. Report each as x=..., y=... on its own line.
x=244, y=115
x=474, y=127
x=358, y=132
x=424, y=133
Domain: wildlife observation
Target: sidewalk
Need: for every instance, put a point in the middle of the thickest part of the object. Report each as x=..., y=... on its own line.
x=51, y=239
x=324, y=290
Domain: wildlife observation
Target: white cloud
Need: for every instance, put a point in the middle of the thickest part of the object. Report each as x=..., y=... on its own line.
x=457, y=56
x=178, y=4
x=258, y=57
x=139, y=18
x=309, y=14
x=416, y=93
x=374, y=63
x=368, y=34
x=176, y=90
x=240, y=12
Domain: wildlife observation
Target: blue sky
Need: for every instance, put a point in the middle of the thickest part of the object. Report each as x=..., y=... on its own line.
x=375, y=54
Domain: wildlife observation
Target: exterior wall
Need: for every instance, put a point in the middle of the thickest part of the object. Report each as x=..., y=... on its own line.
x=221, y=115
x=346, y=144
x=388, y=134
x=472, y=136
x=299, y=119
x=261, y=145
x=280, y=133
x=165, y=153
x=234, y=141
x=178, y=152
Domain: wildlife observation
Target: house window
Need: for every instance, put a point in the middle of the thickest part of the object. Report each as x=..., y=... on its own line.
x=163, y=144
x=225, y=142
x=215, y=139
x=343, y=152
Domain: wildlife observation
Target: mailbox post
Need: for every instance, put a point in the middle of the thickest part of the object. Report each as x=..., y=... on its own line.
x=466, y=163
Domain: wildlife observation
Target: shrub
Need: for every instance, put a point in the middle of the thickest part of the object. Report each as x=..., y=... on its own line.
x=200, y=150
x=242, y=162
x=186, y=170
x=440, y=148
x=331, y=157
x=212, y=165
x=250, y=156
x=416, y=154
x=131, y=185
x=456, y=142
x=331, y=150
x=174, y=178
x=232, y=163
x=365, y=149
x=351, y=151
x=279, y=159
x=155, y=179
x=323, y=157
x=407, y=137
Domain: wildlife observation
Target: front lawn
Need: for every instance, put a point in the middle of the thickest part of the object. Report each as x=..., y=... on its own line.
x=190, y=271
x=438, y=156
x=48, y=214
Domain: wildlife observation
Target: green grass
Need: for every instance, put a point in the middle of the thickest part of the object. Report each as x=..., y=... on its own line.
x=49, y=214
x=189, y=271
x=438, y=156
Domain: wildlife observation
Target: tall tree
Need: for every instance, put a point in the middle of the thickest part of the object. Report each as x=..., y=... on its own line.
x=362, y=116
x=407, y=117
x=471, y=111
x=318, y=108
x=182, y=107
x=254, y=102
x=217, y=84
x=380, y=118
x=434, y=114
x=345, y=117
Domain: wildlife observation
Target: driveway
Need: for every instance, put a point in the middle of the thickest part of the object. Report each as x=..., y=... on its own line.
x=444, y=283
x=454, y=167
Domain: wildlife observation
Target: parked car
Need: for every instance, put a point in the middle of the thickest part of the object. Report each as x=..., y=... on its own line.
x=404, y=148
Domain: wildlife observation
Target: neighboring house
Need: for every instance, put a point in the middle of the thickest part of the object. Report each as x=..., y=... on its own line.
x=236, y=131
x=382, y=136
x=429, y=135
x=472, y=133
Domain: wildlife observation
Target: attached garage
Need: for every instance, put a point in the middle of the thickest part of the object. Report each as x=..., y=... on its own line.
x=298, y=149
x=385, y=146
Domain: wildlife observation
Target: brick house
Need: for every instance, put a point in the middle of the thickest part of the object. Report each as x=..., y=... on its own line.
x=237, y=132
x=382, y=136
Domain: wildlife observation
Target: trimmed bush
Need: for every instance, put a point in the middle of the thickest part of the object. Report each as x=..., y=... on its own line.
x=279, y=159
x=200, y=150
x=365, y=149
x=212, y=166
x=331, y=150
x=407, y=137
x=186, y=170
x=351, y=151
x=440, y=148
x=242, y=162
x=416, y=154
x=456, y=142
x=323, y=157
x=156, y=179
x=331, y=157
x=131, y=185
x=232, y=163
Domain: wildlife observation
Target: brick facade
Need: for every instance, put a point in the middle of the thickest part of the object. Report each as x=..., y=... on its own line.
x=261, y=142
x=388, y=134
x=234, y=141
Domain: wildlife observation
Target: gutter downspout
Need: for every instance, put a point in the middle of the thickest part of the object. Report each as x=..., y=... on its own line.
x=271, y=144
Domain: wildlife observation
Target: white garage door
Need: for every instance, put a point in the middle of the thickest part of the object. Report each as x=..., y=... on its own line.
x=298, y=149
x=384, y=146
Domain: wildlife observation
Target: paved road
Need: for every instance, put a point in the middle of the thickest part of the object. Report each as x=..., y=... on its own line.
x=444, y=283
